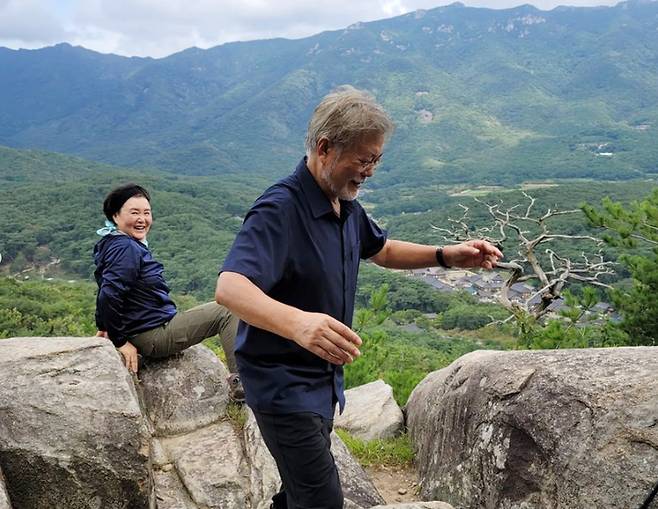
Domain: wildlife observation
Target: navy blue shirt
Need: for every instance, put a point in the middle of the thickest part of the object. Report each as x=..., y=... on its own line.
x=133, y=296
x=296, y=250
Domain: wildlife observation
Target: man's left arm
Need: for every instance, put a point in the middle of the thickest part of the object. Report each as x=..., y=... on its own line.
x=397, y=254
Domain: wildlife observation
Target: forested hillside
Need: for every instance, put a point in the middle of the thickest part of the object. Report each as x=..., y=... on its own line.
x=47, y=225
x=478, y=95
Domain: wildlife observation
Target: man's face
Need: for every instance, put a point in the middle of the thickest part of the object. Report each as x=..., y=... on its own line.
x=346, y=171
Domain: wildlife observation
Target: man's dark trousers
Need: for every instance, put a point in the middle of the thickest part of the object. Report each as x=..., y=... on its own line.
x=300, y=444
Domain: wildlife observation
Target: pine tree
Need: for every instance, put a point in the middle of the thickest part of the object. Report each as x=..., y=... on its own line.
x=631, y=227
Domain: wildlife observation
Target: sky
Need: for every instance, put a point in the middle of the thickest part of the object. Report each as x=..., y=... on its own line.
x=158, y=28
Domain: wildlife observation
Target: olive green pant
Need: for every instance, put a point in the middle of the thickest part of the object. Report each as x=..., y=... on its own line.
x=187, y=328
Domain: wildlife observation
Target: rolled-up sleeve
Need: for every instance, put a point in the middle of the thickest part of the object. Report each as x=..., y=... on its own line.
x=260, y=249
x=372, y=237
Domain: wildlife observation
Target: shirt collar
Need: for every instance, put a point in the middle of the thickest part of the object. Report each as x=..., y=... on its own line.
x=320, y=204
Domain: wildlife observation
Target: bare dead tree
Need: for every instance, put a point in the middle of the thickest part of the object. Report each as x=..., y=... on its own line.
x=531, y=232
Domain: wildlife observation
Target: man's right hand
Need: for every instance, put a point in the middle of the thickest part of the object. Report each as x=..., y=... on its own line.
x=326, y=337
x=318, y=333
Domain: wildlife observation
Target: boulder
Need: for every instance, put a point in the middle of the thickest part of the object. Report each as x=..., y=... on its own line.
x=71, y=431
x=562, y=428
x=4, y=497
x=184, y=392
x=371, y=412
x=416, y=505
x=264, y=477
x=358, y=489
x=357, y=486
x=211, y=466
x=170, y=492
x=78, y=431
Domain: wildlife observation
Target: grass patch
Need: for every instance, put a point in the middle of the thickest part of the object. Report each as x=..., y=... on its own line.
x=216, y=347
x=391, y=452
x=236, y=414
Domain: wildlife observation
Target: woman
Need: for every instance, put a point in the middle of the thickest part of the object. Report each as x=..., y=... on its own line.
x=133, y=307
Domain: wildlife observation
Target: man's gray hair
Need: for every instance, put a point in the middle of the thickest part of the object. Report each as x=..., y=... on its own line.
x=345, y=116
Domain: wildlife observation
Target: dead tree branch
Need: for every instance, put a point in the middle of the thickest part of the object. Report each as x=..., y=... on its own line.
x=531, y=231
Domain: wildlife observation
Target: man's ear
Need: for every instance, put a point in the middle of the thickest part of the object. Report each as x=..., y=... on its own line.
x=325, y=151
x=322, y=149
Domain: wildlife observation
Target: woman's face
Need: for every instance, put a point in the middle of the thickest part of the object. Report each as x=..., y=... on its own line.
x=134, y=218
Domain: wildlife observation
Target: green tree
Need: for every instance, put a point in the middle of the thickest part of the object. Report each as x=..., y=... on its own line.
x=573, y=330
x=400, y=358
x=633, y=227
x=471, y=316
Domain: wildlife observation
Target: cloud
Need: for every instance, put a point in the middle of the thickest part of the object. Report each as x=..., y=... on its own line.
x=156, y=28
x=31, y=22
x=175, y=24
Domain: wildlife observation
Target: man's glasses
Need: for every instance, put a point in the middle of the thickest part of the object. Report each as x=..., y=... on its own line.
x=367, y=164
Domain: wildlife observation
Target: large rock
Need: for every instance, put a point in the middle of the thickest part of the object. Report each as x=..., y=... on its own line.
x=416, y=505
x=264, y=477
x=371, y=412
x=71, y=432
x=565, y=428
x=186, y=391
x=358, y=489
x=4, y=497
x=212, y=466
x=170, y=492
x=74, y=433
x=357, y=486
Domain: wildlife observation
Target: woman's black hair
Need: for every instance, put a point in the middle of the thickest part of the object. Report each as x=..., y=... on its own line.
x=120, y=195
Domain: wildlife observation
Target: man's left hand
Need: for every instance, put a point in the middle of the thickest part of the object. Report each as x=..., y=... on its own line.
x=472, y=253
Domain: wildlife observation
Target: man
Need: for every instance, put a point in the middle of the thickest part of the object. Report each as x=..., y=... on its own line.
x=291, y=278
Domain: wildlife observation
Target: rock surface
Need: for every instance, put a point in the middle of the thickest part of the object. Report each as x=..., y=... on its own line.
x=357, y=486
x=170, y=492
x=198, y=455
x=212, y=466
x=263, y=475
x=215, y=462
x=565, y=428
x=4, y=498
x=371, y=412
x=416, y=505
x=185, y=392
x=76, y=432
x=71, y=431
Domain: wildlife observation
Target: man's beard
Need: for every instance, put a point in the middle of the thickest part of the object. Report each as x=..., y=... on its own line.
x=342, y=194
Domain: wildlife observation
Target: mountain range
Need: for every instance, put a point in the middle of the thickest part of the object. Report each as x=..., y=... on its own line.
x=477, y=95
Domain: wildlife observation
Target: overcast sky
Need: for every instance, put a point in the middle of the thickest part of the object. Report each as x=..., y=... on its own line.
x=160, y=27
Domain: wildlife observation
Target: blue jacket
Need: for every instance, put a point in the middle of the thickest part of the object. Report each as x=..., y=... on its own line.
x=133, y=296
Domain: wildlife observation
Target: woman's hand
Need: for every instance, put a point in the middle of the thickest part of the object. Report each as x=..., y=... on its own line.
x=101, y=334
x=129, y=353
